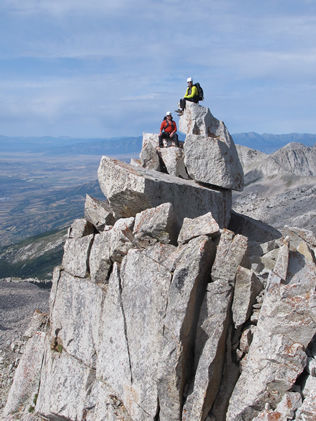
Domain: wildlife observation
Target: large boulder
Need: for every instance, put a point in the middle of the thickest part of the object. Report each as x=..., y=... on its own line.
x=173, y=159
x=131, y=190
x=210, y=153
x=157, y=224
x=148, y=156
x=213, y=160
x=200, y=121
x=98, y=213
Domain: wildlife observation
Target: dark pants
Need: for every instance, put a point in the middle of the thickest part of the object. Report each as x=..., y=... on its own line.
x=183, y=100
x=166, y=135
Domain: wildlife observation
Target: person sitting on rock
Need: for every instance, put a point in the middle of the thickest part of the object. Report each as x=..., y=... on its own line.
x=192, y=95
x=168, y=130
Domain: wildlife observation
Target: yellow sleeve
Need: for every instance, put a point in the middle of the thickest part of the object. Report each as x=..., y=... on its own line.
x=194, y=92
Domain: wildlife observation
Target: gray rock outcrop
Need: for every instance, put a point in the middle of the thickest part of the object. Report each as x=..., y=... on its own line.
x=131, y=190
x=98, y=213
x=209, y=155
x=161, y=311
x=214, y=161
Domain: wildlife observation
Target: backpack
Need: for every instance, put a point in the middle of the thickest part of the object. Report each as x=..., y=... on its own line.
x=200, y=91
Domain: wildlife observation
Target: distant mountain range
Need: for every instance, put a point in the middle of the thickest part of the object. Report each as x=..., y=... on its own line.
x=267, y=143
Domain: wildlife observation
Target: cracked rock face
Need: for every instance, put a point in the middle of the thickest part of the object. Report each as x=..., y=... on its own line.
x=214, y=161
x=131, y=190
x=159, y=312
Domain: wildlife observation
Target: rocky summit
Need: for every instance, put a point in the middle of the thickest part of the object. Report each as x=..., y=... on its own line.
x=168, y=306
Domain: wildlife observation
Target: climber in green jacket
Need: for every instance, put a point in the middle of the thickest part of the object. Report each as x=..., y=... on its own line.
x=192, y=95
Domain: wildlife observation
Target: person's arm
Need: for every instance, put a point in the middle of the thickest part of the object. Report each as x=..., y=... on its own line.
x=174, y=127
x=161, y=128
x=194, y=92
x=186, y=94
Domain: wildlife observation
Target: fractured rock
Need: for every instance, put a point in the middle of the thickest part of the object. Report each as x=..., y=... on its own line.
x=144, y=306
x=100, y=257
x=231, y=252
x=247, y=287
x=64, y=387
x=185, y=297
x=281, y=265
x=198, y=120
x=113, y=361
x=214, y=161
x=286, y=325
x=38, y=323
x=121, y=238
x=209, y=350
x=75, y=322
x=255, y=230
x=80, y=228
x=306, y=251
x=131, y=190
x=308, y=409
x=246, y=339
x=98, y=213
x=173, y=158
x=202, y=225
x=285, y=410
x=148, y=156
x=27, y=376
x=136, y=162
x=157, y=223
x=76, y=255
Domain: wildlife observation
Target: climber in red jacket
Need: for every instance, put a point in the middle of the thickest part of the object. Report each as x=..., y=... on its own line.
x=168, y=130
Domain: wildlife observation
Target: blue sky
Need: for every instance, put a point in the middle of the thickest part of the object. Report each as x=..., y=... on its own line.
x=103, y=69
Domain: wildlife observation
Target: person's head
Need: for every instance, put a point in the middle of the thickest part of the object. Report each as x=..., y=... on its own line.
x=190, y=81
x=169, y=115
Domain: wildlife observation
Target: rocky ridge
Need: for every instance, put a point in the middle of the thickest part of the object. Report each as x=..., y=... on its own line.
x=279, y=188
x=165, y=313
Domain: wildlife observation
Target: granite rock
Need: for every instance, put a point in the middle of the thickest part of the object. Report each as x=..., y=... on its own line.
x=173, y=159
x=157, y=223
x=148, y=156
x=209, y=350
x=202, y=225
x=74, y=322
x=213, y=161
x=76, y=255
x=286, y=325
x=80, y=228
x=98, y=213
x=185, y=297
x=131, y=190
x=27, y=377
x=247, y=287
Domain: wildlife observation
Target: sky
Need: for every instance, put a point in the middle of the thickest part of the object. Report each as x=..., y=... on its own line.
x=102, y=68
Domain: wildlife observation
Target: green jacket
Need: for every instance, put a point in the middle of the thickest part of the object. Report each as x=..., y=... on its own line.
x=194, y=92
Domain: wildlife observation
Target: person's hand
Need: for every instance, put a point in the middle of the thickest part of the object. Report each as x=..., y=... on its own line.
x=171, y=134
x=160, y=133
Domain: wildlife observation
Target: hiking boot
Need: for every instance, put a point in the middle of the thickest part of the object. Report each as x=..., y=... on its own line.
x=179, y=110
x=180, y=114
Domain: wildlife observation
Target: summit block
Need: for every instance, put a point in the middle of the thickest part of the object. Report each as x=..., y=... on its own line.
x=131, y=189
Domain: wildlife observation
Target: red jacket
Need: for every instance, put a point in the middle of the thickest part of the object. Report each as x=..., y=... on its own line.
x=172, y=127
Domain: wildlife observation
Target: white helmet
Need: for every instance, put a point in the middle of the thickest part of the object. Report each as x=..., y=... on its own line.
x=168, y=113
x=189, y=79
